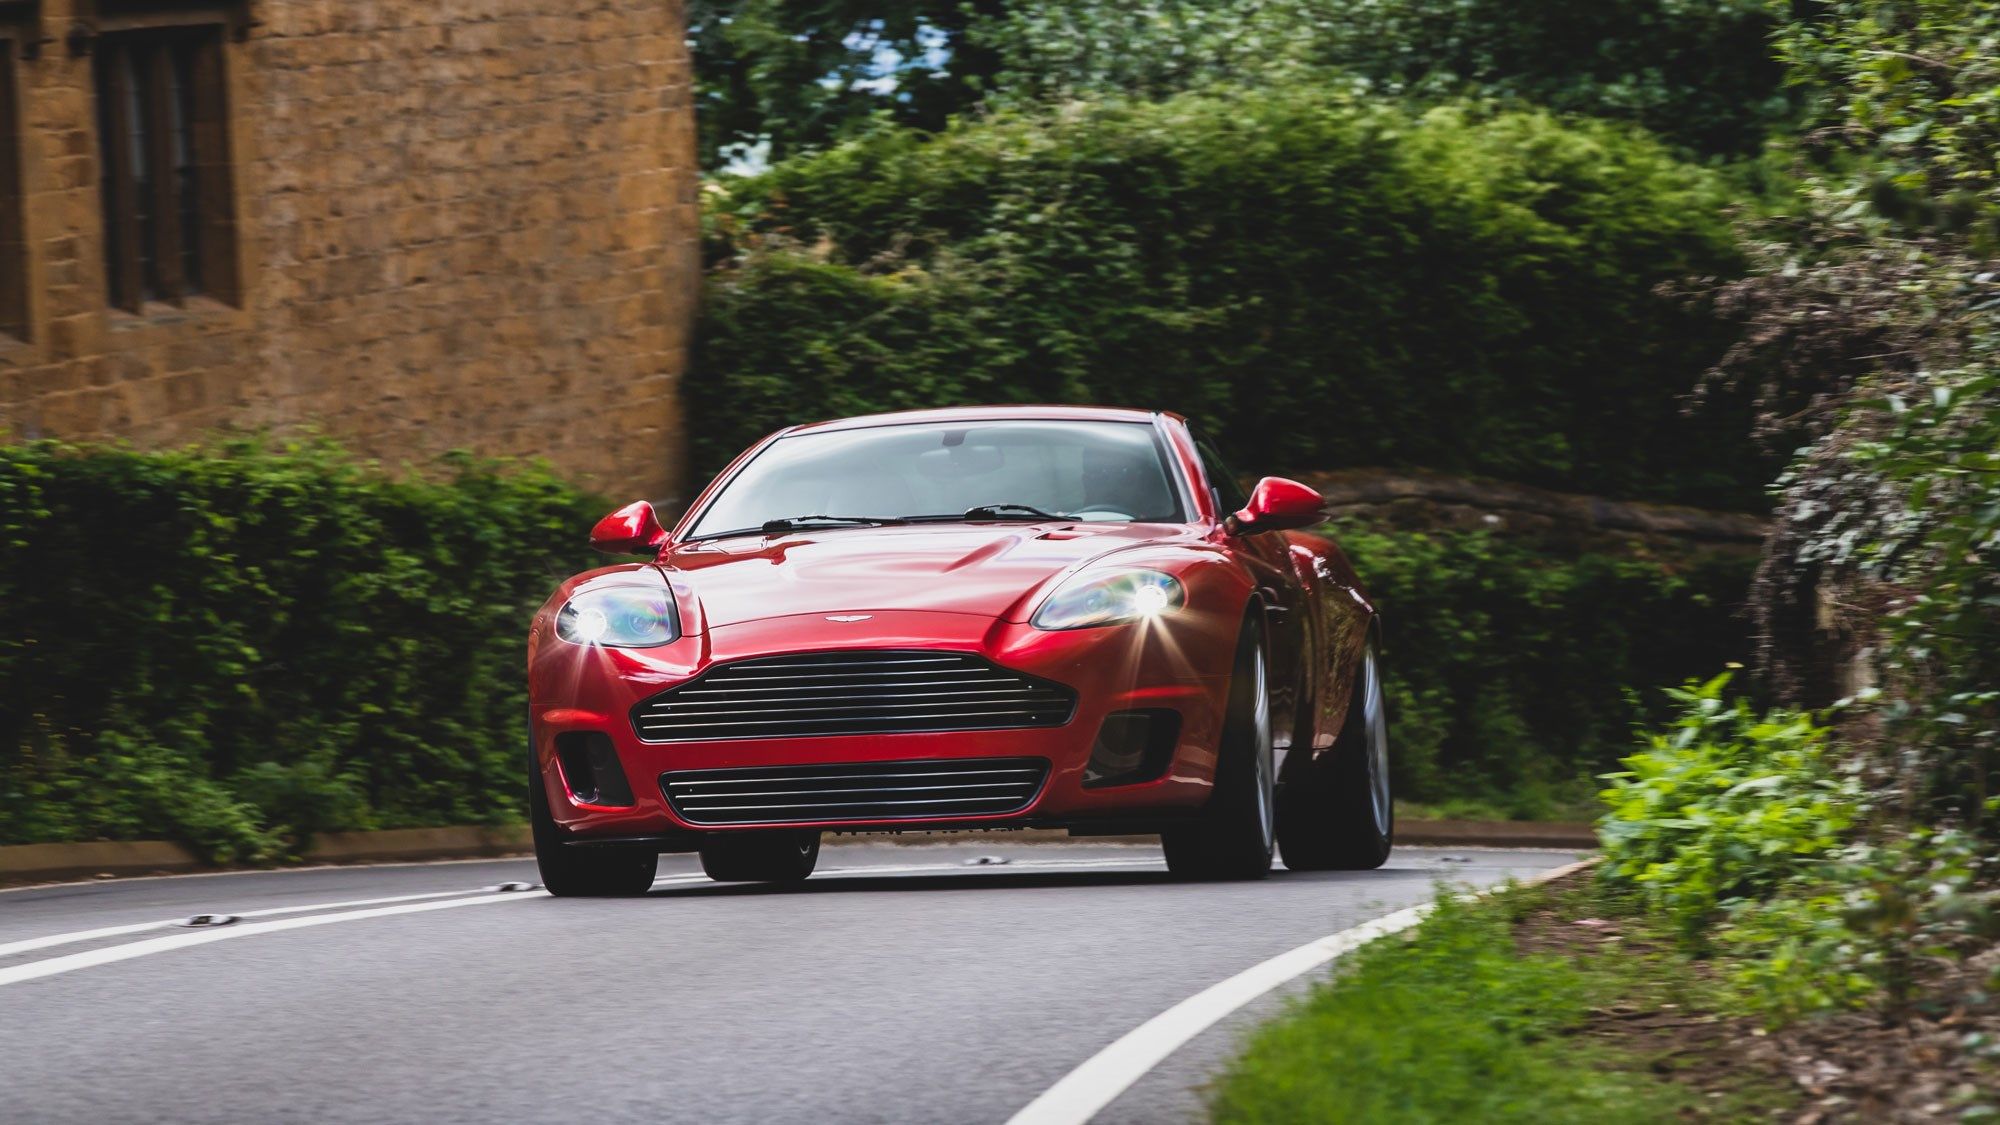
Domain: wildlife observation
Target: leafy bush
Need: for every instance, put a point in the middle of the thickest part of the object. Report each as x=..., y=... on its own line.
x=235, y=647
x=1319, y=281
x=1723, y=806
x=1508, y=663
x=1865, y=924
x=1748, y=835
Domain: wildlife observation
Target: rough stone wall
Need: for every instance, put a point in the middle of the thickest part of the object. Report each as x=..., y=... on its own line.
x=464, y=224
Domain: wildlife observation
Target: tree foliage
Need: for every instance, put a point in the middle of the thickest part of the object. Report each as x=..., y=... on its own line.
x=799, y=74
x=1697, y=71
x=802, y=74
x=1319, y=281
x=1875, y=315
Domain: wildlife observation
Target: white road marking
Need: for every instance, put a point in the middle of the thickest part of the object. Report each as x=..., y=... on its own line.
x=404, y=904
x=1101, y=1078
x=26, y=945
x=303, y=869
x=69, y=963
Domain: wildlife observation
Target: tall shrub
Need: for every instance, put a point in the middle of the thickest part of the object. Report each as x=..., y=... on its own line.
x=235, y=647
x=1321, y=282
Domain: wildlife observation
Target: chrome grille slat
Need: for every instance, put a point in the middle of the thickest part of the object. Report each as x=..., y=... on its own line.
x=941, y=658
x=873, y=802
x=905, y=790
x=836, y=725
x=870, y=691
x=844, y=693
x=837, y=709
x=922, y=699
x=857, y=777
x=735, y=793
x=870, y=673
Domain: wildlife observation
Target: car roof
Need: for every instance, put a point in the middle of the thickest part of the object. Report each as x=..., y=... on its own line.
x=1052, y=413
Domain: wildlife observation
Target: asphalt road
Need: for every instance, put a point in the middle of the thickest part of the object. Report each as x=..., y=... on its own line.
x=901, y=984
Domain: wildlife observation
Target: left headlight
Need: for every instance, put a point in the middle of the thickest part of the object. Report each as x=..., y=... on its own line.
x=621, y=617
x=1088, y=599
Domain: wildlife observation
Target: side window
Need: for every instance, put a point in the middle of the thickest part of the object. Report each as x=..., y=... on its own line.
x=1223, y=487
x=163, y=154
x=13, y=236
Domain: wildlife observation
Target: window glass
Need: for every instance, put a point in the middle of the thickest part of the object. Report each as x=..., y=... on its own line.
x=159, y=119
x=1101, y=471
x=13, y=240
x=1224, y=488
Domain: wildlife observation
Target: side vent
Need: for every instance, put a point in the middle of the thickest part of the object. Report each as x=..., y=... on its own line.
x=1133, y=746
x=590, y=768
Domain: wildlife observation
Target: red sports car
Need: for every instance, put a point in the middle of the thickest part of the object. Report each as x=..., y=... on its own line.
x=972, y=618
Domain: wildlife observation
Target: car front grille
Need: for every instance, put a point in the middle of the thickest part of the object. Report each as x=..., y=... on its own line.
x=839, y=693
x=926, y=790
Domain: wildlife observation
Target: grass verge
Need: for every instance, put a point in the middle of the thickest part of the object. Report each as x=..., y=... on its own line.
x=1530, y=1006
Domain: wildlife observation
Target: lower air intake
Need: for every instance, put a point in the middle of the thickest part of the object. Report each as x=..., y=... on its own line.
x=931, y=790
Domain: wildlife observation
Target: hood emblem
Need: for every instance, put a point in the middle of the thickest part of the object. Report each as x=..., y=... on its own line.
x=849, y=616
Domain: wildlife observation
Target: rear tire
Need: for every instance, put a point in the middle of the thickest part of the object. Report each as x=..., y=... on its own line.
x=1233, y=836
x=583, y=870
x=761, y=857
x=1338, y=814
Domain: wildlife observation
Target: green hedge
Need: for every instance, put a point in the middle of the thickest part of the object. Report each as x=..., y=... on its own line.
x=1509, y=664
x=239, y=646
x=235, y=647
x=1321, y=281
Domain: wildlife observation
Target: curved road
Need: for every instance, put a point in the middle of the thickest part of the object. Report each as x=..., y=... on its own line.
x=904, y=983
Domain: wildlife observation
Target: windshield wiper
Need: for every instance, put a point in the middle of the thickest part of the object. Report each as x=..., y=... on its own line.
x=796, y=523
x=1014, y=511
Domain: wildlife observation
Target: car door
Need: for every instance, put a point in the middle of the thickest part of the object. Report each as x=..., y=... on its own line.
x=1267, y=557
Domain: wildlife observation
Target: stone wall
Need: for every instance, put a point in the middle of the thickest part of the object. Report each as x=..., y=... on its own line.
x=463, y=224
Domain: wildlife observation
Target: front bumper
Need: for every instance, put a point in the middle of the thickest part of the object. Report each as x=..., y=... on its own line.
x=1160, y=665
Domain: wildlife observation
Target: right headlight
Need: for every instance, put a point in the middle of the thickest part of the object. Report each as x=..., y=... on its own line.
x=1089, y=599
x=620, y=617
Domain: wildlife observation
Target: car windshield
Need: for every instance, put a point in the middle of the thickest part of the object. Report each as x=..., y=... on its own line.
x=1100, y=471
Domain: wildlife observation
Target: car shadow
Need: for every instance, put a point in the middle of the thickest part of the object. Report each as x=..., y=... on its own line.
x=988, y=879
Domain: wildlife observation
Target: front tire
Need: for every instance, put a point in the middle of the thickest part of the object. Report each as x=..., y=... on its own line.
x=583, y=870
x=1234, y=835
x=761, y=857
x=1339, y=815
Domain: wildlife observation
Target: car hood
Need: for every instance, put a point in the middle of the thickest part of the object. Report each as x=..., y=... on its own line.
x=951, y=568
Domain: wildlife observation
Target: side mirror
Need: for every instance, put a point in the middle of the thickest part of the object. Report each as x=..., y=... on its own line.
x=631, y=530
x=1277, y=503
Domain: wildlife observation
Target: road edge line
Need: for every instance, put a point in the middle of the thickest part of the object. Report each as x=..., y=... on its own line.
x=1098, y=1081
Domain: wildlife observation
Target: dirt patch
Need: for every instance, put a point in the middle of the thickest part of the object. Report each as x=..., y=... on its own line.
x=1943, y=1064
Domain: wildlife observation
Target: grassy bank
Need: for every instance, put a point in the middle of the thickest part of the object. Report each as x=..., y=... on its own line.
x=1544, y=1005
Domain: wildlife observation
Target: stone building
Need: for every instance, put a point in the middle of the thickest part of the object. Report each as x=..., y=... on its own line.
x=418, y=225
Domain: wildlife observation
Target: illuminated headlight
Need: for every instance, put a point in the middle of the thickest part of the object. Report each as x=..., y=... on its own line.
x=620, y=617
x=1110, y=599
